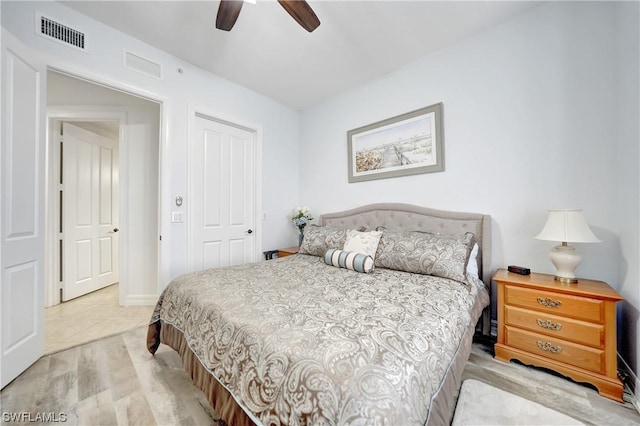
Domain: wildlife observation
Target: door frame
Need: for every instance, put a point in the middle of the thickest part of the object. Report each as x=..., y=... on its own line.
x=56, y=114
x=196, y=110
x=53, y=163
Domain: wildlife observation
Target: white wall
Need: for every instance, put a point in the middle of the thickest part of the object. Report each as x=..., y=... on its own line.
x=527, y=117
x=627, y=139
x=530, y=108
x=141, y=153
x=278, y=125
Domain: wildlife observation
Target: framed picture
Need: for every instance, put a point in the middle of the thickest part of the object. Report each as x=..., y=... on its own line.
x=407, y=144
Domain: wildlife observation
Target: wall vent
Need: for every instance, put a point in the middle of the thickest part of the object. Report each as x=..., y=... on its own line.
x=143, y=65
x=61, y=33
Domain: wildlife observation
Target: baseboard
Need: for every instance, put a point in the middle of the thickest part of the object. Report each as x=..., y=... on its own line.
x=631, y=383
x=140, y=300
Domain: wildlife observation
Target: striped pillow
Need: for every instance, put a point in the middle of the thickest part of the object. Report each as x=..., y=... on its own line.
x=344, y=259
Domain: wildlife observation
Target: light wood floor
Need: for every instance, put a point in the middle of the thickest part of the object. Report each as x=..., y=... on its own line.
x=90, y=317
x=580, y=401
x=115, y=381
x=111, y=381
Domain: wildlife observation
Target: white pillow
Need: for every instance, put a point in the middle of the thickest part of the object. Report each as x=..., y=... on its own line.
x=362, y=242
x=472, y=264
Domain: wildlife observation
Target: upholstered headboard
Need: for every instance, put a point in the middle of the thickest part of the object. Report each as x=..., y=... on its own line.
x=407, y=217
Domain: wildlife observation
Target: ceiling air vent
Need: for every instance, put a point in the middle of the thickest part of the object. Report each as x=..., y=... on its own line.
x=66, y=35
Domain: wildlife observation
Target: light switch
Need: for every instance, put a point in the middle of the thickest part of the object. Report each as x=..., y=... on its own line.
x=177, y=217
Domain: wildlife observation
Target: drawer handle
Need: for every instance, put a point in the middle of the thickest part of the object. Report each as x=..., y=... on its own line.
x=548, y=347
x=549, y=325
x=549, y=302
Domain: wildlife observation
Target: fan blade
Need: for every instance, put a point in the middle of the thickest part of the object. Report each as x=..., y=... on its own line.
x=302, y=13
x=228, y=12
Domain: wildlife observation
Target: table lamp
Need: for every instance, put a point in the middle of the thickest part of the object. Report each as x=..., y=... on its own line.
x=566, y=226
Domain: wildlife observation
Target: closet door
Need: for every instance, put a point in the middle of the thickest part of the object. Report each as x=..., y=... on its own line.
x=222, y=208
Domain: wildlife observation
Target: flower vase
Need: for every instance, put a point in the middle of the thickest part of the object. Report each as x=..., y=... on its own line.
x=300, y=238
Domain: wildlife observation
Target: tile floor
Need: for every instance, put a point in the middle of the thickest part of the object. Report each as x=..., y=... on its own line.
x=90, y=317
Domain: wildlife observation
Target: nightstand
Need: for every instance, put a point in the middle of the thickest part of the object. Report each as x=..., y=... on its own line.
x=568, y=328
x=288, y=251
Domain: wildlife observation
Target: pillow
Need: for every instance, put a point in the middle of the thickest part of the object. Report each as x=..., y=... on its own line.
x=424, y=253
x=472, y=265
x=343, y=259
x=362, y=242
x=318, y=239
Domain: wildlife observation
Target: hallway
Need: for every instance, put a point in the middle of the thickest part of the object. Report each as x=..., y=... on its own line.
x=90, y=317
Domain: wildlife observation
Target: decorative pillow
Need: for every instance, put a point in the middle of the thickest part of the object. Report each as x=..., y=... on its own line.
x=362, y=242
x=424, y=253
x=318, y=239
x=344, y=259
x=472, y=265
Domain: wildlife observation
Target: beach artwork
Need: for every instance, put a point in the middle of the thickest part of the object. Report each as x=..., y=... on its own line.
x=403, y=145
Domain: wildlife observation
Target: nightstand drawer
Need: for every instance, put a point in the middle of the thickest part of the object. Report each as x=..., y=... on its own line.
x=556, y=303
x=560, y=327
x=560, y=350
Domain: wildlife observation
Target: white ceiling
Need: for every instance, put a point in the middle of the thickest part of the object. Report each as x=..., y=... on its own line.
x=268, y=52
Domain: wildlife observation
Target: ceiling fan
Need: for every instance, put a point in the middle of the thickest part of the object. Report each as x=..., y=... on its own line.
x=299, y=10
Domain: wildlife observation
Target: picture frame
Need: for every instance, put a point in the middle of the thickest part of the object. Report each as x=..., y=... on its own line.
x=407, y=144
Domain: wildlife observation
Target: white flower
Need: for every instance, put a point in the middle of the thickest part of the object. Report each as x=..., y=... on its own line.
x=300, y=217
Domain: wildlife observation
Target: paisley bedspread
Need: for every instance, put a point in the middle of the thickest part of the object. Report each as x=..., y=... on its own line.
x=296, y=341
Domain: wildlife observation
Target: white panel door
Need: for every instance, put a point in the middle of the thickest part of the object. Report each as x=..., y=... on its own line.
x=89, y=211
x=22, y=176
x=222, y=201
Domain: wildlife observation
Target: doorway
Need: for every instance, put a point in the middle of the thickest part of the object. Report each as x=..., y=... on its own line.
x=108, y=175
x=88, y=206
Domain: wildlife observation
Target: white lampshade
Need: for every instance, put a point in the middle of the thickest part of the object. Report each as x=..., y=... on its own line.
x=568, y=226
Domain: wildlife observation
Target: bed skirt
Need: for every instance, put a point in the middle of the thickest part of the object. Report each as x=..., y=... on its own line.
x=219, y=398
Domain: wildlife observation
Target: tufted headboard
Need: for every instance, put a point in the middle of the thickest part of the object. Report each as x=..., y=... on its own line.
x=407, y=217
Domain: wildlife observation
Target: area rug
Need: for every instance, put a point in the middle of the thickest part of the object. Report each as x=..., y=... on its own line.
x=482, y=404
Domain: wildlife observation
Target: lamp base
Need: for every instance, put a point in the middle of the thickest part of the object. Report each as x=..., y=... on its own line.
x=564, y=280
x=566, y=260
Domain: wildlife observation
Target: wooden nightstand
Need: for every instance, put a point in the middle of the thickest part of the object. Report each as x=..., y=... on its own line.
x=569, y=328
x=288, y=251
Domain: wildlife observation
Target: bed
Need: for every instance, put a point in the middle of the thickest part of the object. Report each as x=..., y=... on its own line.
x=308, y=339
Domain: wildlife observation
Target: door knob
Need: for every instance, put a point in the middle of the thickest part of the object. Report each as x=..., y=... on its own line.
x=250, y=231
x=115, y=229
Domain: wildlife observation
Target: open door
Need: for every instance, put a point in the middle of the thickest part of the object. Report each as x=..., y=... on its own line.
x=22, y=208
